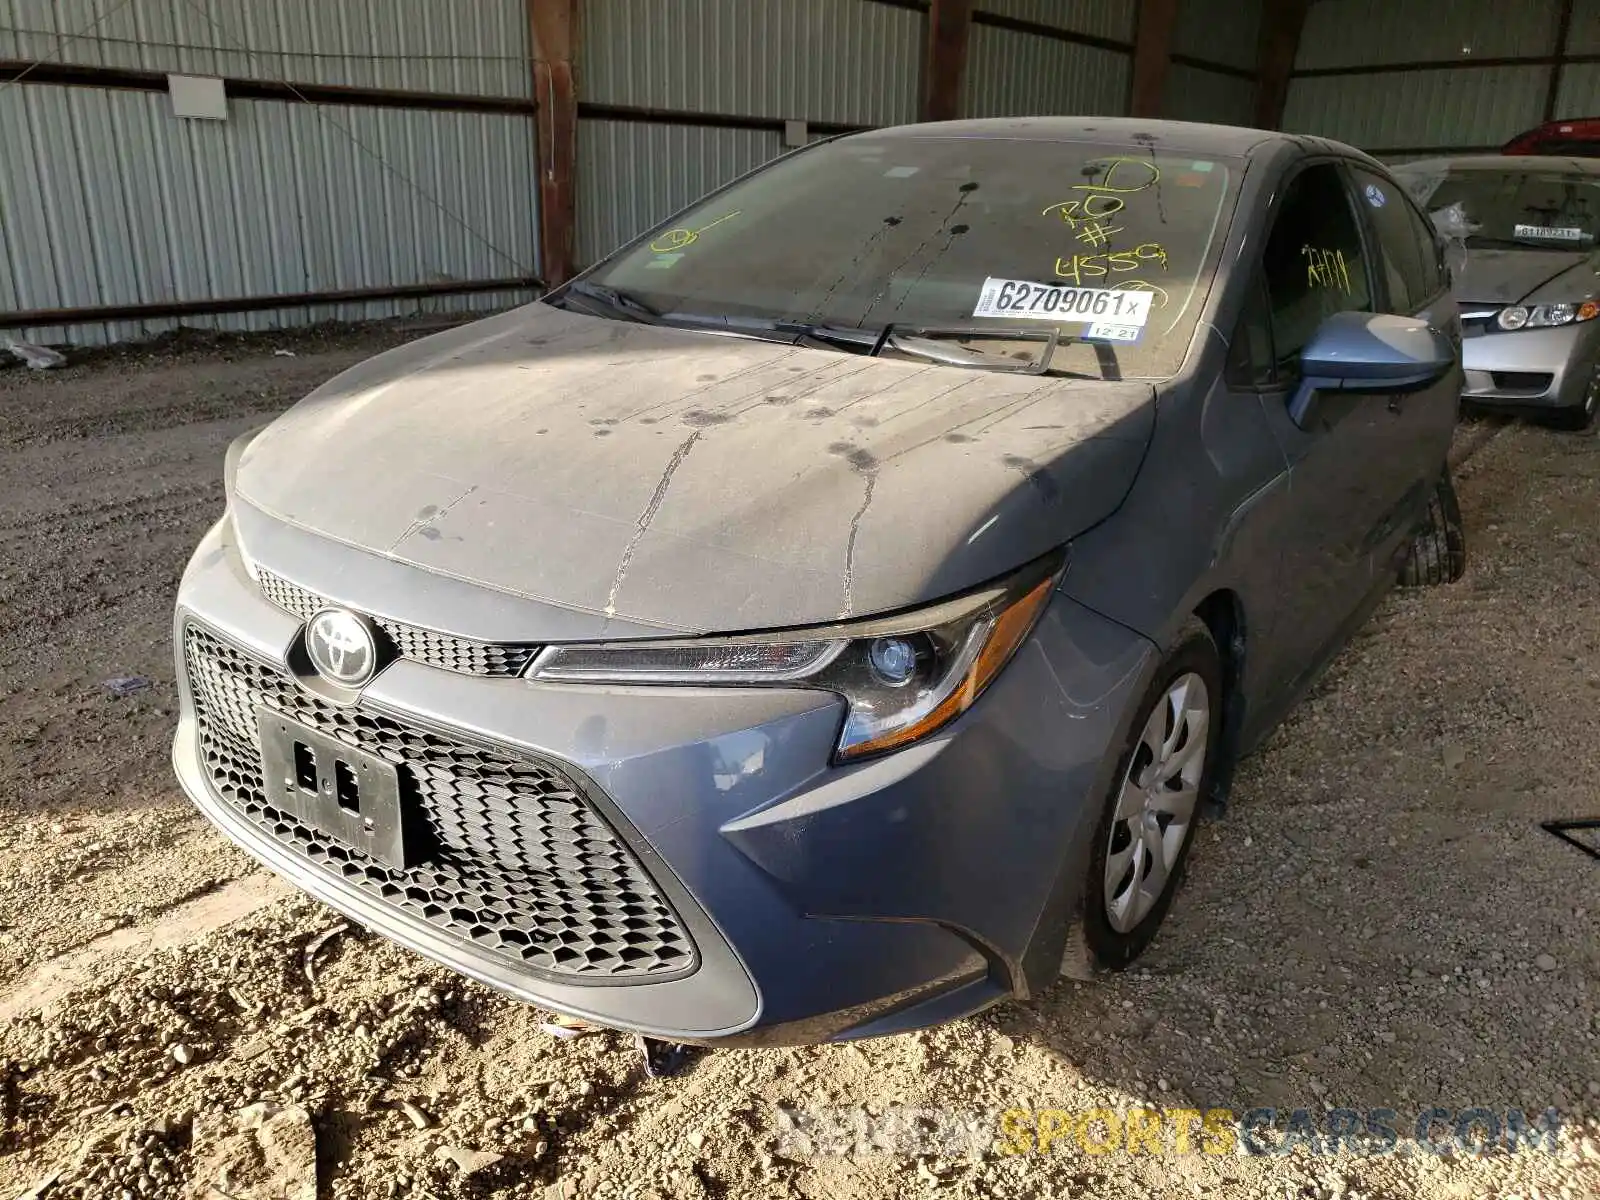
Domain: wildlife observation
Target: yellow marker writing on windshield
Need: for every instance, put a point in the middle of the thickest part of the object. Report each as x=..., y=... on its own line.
x=1144, y=285
x=1096, y=265
x=1124, y=175
x=677, y=239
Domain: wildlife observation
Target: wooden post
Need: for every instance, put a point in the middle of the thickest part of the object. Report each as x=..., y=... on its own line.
x=1152, y=55
x=1563, y=30
x=553, y=31
x=949, y=24
x=1281, y=23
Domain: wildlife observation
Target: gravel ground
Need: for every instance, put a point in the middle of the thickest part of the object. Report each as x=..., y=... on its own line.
x=1378, y=923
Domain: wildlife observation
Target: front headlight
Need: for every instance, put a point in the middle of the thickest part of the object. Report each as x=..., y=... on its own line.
x=1543, y=316
x=902, y=678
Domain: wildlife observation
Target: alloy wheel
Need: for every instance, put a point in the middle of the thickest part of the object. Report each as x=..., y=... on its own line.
x=1157, y=802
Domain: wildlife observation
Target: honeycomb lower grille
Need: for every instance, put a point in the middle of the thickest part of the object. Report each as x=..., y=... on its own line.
x=521, y=864
x=411, y=641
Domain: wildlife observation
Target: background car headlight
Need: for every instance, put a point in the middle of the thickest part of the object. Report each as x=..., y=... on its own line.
x=1542, y=316
x=902, y=678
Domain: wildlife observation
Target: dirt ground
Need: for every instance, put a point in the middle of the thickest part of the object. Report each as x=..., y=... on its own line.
x=1379, y=922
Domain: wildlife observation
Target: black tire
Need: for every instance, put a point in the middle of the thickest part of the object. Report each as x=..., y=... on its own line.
x=1438, y=552
x=1194, y=652
x=1575, y=419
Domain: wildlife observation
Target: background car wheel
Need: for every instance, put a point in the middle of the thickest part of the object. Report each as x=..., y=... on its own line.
x=1147, y=823
x=1438, y=552
x=1580, y=416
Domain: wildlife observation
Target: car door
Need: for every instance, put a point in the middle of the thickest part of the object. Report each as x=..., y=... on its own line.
x=1314, y=262
x=1412, y=283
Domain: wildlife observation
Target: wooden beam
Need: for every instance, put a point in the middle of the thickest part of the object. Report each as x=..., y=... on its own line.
x=1553, y=92
x=1152, y=55
x=1281, y=23
x=949, y=24
x=553, y=33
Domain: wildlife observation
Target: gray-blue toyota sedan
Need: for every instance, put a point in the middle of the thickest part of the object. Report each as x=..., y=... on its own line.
x=826, y=610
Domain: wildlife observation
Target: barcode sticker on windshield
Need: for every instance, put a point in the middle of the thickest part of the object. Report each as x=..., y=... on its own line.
x=1021, y=300
x=1553, y=232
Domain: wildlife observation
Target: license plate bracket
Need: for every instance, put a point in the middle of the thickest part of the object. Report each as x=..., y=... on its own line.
x=351, y=796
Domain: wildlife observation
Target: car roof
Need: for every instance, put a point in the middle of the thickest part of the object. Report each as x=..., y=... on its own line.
x=1505, y=162
x=1187, y=137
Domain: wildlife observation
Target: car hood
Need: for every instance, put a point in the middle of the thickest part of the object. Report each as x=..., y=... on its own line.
x=662, y=479
x=1525, y=276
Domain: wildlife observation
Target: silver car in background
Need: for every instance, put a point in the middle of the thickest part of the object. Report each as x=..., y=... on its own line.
x=1521, y=234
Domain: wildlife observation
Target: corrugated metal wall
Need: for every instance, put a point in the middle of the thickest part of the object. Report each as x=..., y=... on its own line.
x=1579, y=95
x=1195, y=94
x=1346, y=33
x=1099, y=18
x=1419, y=108
x=1011, y=74
x=477, y=47
x=1225, y=33
x=847, y=62
x=1449, y=106
x=106, y=198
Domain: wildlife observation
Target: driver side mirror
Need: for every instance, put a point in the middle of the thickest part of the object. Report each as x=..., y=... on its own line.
x=1369, y=352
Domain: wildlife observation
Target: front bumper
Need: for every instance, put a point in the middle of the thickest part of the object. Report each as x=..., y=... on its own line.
x=1531, y=368
x=822, y=902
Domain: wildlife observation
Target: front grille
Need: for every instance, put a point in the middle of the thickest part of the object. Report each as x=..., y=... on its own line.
x=521, y=864
x=1533, y=382
x=410, y=641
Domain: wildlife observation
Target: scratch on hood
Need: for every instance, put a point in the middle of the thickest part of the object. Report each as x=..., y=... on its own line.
x=648, y=515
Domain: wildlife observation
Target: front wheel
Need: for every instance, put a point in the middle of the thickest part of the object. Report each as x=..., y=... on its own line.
x=1438, y=551
x=1147, y=823
x=1580, y=416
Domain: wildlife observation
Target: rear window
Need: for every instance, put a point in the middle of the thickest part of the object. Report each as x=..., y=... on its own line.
x=957, y=233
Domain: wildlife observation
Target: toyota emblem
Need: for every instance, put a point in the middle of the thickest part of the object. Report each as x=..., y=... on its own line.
x=342, y=648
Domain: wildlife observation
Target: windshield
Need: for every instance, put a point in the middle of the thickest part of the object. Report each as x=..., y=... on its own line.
x=1544, y=210
x=1094, y=257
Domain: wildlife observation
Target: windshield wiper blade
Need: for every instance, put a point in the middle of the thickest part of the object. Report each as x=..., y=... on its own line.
x=924, y=343
x=616, y=301
x=862, y=341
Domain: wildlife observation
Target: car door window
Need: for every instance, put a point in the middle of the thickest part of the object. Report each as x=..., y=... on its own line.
x=1402, y=253
x=1313, y=262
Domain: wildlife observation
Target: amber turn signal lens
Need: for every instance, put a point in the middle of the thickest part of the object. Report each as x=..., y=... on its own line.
x=1588, y=310
x=1004, y=634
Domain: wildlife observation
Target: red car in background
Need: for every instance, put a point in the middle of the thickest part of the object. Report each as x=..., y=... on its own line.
x=1577, y=137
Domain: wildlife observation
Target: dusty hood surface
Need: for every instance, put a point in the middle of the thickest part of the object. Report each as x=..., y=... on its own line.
x=1526, y=276
x=683, y=481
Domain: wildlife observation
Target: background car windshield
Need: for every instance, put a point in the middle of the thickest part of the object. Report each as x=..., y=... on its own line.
x=910, y=231
x=1550, y=210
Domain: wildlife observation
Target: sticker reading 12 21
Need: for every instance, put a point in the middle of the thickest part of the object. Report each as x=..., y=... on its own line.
x=1020, y=300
